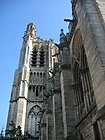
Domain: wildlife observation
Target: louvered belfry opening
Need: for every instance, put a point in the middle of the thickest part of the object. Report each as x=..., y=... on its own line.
x=42, y=58
x=34, y=58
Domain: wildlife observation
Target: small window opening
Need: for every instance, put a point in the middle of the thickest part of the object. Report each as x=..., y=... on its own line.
x=30, y=88
x=44, y=88
x=30, y=73
x=36, y=91
x=41, y=74
x=38, y=74
x=40, y=88
x=33, y=88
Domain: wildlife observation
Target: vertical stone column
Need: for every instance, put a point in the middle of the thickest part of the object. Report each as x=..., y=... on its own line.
x=43, y=127
x=22, y=100
x=67, y=94
x=57, y=106
x=13, y=101
x=49, y=120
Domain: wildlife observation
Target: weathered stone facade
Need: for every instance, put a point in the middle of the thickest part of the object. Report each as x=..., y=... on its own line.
x=31, y=88
x=87, y=51
x=59, y=89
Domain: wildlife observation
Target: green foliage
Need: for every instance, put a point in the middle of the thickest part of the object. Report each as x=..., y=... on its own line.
x=11, y=132
x=14, y=132
x=18, y=131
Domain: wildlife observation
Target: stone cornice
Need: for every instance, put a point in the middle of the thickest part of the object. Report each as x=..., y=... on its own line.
x=15, y=100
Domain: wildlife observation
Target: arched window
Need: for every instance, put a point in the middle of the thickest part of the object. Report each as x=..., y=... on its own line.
x=82, y=83
x=86, y=78
x=34, y=121
x=30, y=73
x=41, y=74
x=37, y=74
x=77, y=86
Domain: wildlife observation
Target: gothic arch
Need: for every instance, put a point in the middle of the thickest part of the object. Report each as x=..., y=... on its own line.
x=77, y=41
x=34, y=118
x=34, y=107
x=82, y=85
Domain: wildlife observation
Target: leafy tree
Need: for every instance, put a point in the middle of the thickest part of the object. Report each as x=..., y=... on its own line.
x=18, y=131
x=12, y=131
x=15, y=133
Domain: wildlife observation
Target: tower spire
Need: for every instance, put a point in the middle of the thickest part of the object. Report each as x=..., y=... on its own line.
x=31, y=30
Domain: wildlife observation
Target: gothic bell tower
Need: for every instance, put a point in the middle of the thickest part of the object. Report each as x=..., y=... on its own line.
x=30, y=82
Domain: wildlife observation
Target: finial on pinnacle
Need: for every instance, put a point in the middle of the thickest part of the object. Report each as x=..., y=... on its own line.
x=61, y=30
x=31, y=29
x=62, y=36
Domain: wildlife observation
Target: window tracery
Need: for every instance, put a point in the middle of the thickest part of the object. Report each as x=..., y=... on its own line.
x=82, y=83
x=34, y=121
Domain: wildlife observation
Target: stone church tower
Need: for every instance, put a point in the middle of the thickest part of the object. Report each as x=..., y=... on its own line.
x=30, y=86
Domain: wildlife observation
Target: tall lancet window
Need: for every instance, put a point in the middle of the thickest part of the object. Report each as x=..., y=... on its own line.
x=34, y=121
x=34, y=57
x=82, y=82
x=86, y=79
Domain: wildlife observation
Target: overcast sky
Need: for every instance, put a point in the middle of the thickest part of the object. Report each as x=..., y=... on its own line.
x=48, y=15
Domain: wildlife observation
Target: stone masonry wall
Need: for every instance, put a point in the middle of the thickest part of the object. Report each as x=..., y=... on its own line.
x=67, y=96
x=57, y=106
x=101, y=7
x=94, y=42
x=91, y=16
